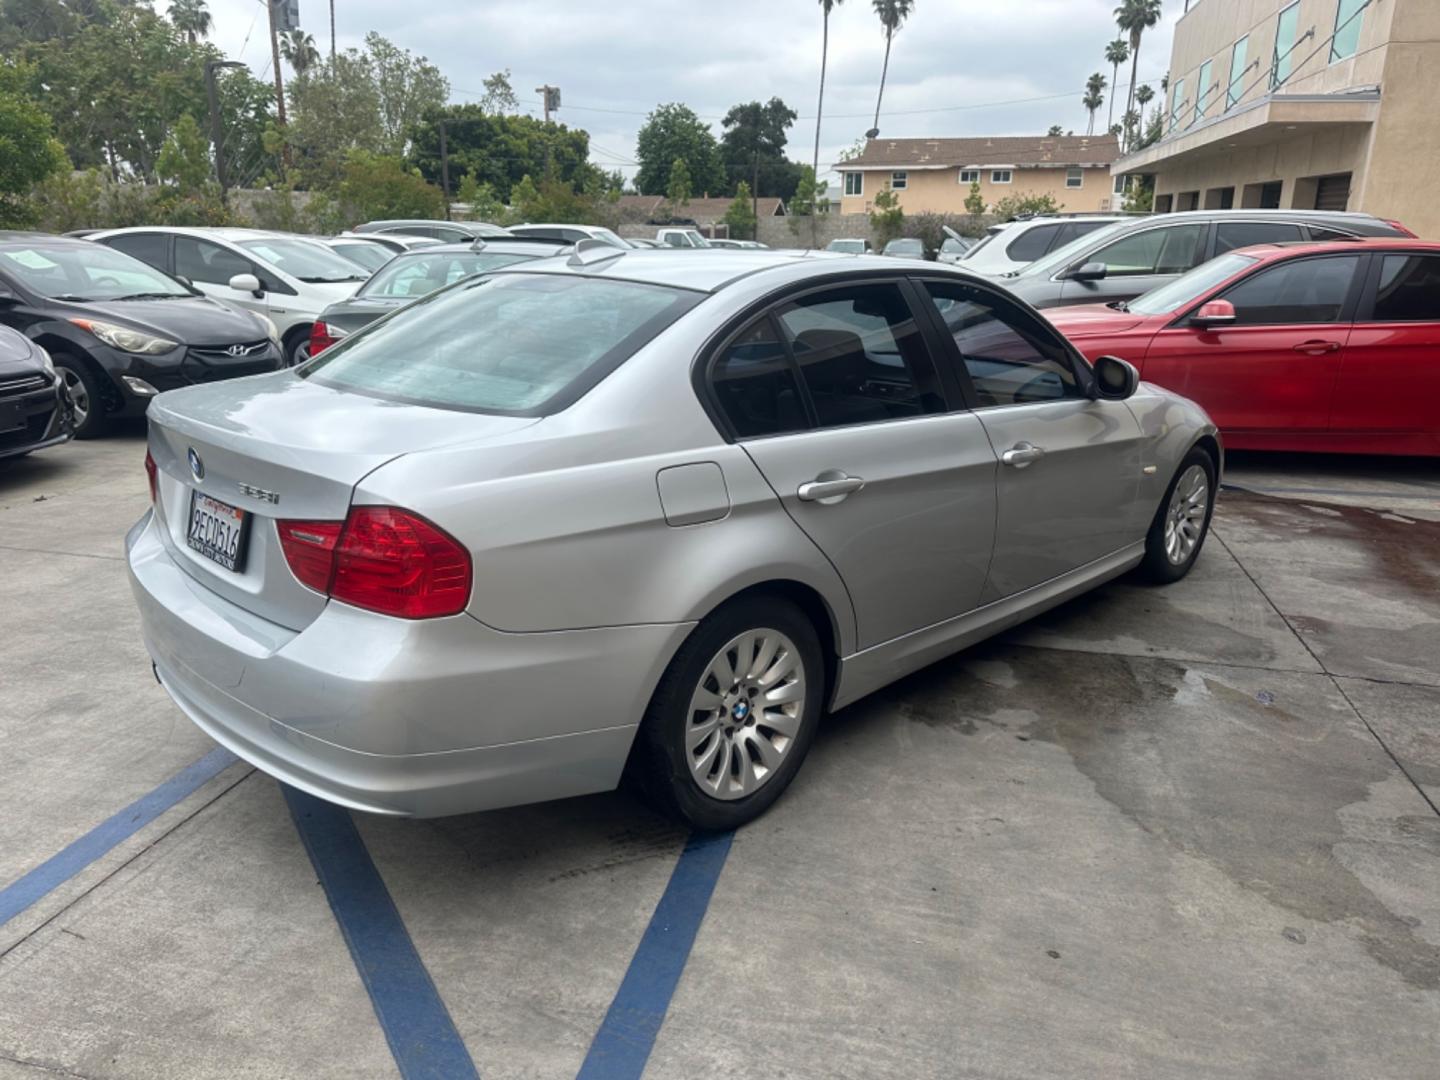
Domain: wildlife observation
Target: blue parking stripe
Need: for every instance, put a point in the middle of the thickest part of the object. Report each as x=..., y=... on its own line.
x=68, y=862
x=417, y=1025
x=627, y=1035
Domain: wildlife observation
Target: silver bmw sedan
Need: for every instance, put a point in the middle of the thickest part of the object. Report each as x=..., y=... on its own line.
x=637, y=511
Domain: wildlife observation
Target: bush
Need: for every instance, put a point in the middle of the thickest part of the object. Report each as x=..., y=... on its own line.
x=887, y=219
x=1014, y=206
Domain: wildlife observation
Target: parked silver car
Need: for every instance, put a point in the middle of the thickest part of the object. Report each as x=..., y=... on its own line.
x=640, y=507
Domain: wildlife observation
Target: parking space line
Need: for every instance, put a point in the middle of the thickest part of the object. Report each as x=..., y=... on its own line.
x=627, y=1035
x=1255, y=489
x=416, y=1023
x=69, y=861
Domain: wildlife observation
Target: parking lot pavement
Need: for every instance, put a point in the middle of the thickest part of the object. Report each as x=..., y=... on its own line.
x=1154, y=833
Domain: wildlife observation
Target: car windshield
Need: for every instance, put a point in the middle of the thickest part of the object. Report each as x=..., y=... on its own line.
x=1064, y=256
x=1188, y=287
x=852, y=247
x=87, y=272
x=369, y=256
x=509, y=343
x=304, y=259
x=422, y=272
x=904, y=245
x=609, y=237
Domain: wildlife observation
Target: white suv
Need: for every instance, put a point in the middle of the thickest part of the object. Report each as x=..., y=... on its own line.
x=1016, y=244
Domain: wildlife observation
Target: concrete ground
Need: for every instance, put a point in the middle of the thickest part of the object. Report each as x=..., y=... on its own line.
x=1182, y=832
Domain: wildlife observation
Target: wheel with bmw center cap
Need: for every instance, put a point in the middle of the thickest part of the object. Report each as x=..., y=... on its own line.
x=733, y=716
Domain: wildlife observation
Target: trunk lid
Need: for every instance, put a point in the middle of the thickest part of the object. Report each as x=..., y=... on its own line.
x=279, y=447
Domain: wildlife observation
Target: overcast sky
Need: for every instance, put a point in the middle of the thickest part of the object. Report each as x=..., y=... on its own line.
x=958, y=67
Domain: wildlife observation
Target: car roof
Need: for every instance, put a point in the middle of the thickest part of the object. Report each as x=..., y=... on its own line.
x=558, y=225
x=506, y=245
x=1273, y=251
x=231, y=234
x=18, y=238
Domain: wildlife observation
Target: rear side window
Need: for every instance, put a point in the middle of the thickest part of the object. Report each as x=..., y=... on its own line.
x=861, y=355
x=1302, y=291
x=755, y=384
x=1235, y=234
x=1409, y=289
x=513, y=343
x=1154, y=251
x=1032, y=243
x=147, y=247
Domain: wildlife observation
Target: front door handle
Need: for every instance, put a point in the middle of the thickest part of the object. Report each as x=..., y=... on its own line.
x=1318, y=348
x=830, y=487
x=1022, y=454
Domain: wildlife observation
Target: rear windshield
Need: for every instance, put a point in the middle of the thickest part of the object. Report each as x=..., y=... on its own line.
x=305, y=259
x=518, y=343
x=422, y=272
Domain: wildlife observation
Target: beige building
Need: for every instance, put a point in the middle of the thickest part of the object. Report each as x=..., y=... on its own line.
x=1309, y=104
x=934, y=175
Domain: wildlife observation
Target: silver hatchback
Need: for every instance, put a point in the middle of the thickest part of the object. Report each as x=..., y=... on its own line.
x=637, y=511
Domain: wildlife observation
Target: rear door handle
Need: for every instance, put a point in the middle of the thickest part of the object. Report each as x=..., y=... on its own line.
x=830, y=487
x=1022, y=454
x=1317, y=348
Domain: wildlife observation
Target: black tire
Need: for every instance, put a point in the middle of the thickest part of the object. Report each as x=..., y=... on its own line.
x=659, y=763
x=296, y=347
x=1158, y=566
x=86, y=390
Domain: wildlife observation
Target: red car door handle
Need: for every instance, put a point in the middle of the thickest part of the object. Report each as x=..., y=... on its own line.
x=1315, y=348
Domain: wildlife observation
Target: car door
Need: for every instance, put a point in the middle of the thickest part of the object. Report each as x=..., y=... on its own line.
x=1389, y=381
x=1137, y=262
x=209, y=267
x=1274, y=370
x=1070, y=465
x=835, y=397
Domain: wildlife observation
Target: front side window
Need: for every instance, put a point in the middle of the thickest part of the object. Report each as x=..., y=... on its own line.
x=302, y=259
x=1202, y=90
x=861, y=355
x=969, y=176
x=1074, y=178
x=1285, y=28
x=1154, y=251
x=1348, y=17
x=1238, y=234
x=1001, y=176
x=1409, y=289
x=148, y=247
x=512, y=343
x=420, y=273
x=1302, y=291
x=89, y=272
x=1234, y=90
x=854, y=183
x=899, y=181
x=201, y=261
x=1010, y=357
x=755, y=385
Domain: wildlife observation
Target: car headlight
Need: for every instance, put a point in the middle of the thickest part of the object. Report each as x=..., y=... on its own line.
x=125, y=339
x=46, y=361
x=271, y=330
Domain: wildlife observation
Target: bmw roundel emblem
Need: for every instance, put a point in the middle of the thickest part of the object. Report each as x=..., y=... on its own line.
x=197, y=467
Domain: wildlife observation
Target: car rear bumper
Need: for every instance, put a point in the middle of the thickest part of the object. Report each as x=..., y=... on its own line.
x=422, y=718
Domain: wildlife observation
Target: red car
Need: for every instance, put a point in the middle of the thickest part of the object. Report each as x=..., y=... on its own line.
x=1310, y=346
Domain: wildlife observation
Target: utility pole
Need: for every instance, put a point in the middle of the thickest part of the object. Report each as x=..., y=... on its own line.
x=445, y=169
x=755, y=197
x=217, y=133
x=270, y=7
x=550, y=98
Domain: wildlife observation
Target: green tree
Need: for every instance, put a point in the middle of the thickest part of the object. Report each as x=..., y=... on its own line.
x=826, y=6
x=381, y=186
x=499, y=150
x=29, y=153
x=334, y=108
x=893, y=14
x=484, y=204
x=1093, y=99
x=191, y=18
x=677, y=192
x=408, y=88
x=1026, y=205
x=1134, y=17
x=1116, y=53
x=974, y=204
x=185, y=157
x=754, y=143
x=299, y=51
x=674, y=133
x=803, y=205
x=740, y=216
x=887, y=217
x=525, y=198
x=1140, y=197
x=499, y=98
x=1055, y=131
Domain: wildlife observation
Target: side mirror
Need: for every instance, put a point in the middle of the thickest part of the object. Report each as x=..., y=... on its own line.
x=1090, y=271
x=246, y=283
x=1213, y=313
x=1115, y=379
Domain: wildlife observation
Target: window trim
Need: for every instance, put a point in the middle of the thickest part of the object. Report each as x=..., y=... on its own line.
x=973, y=174
x=1357, y=16
x=1079, y=176
x=1009, y=176
x=1347, y=309
x=1365, y=310
x=859, y=191
x=900, y=180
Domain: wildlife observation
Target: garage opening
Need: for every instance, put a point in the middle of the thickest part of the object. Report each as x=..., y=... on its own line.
x=1264, y=196
x=1163, y=203
x=1332, y=192
x=1220, y=198
x=1187, y=200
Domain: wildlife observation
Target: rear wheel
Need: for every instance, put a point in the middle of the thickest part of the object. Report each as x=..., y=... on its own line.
x=734, y=715
x=86, y=395
x=1183, y=521
x=297, y=347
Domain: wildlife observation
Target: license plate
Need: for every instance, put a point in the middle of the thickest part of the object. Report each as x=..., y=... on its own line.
x=217, y=531
x=12, y=416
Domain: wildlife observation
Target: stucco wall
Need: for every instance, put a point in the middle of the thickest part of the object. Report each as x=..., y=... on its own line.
x=939, y=191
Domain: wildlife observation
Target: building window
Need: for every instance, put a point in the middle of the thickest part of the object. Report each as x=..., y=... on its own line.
x=854, y=183
x=1347, y=29
x=1177, y=103
x=1122, y=185
x=1001, y=176
x=1163, y=203
x=1285, y=29
x=1237, y=72
x=1203, y=91
x=899, y=181
x=969, y=176
x=1074, y=178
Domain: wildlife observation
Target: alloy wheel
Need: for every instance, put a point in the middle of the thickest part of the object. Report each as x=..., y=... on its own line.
x=1185, y=516
x=79, y=396
x=745, y=714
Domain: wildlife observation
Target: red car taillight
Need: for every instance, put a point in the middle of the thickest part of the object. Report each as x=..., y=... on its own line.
x=1401, y=229
x=321, y=338
x=152, y=474
x=381, y=559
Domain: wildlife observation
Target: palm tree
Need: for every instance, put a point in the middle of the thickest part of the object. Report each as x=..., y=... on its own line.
x=1134, y=17
x=1094, y=98
x=332, y=32
x=1116, y=53
x=298, y=49
x=893, y=14
x=826, y=6
x=191, y=18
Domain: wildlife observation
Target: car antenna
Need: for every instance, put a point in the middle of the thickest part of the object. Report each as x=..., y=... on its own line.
x=590, y=252
x=478, y=244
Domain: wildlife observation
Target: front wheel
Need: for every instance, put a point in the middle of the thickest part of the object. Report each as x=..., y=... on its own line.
x=297, y=348
x=1183, y=521
x=734, y=715
x=87, y=399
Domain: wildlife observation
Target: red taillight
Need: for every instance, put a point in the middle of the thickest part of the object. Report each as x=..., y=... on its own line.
x=152, y=474
x=1401, y=229
x=321, y=338
x=381, y=559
